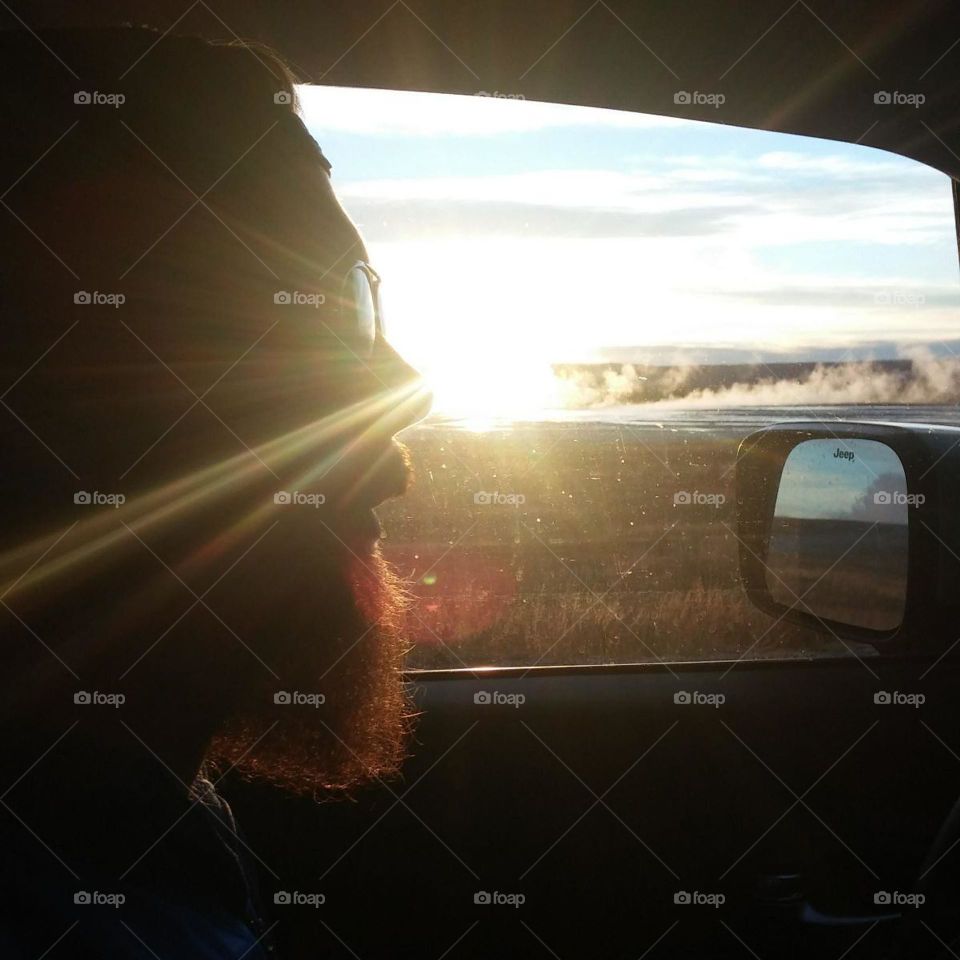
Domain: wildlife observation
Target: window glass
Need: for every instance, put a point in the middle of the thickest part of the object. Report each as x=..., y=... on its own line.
x=605, y=304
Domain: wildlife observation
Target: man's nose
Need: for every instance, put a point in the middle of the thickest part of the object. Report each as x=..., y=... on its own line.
x=410, y=399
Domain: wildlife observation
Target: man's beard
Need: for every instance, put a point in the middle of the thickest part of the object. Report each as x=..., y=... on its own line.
x=339, y=714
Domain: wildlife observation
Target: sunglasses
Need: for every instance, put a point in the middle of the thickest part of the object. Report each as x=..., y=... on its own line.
x=357, y=315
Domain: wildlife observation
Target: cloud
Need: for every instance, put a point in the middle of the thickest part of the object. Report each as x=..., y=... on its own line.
x=929, y=381
x=389, y=113
x=881, y=296
x=383, y=220
x=837, y=166
x=881, y=210
x=921, y=379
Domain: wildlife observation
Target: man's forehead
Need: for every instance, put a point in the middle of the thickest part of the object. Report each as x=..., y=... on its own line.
x=295, y=130
x=330, y=223
x=340, y=234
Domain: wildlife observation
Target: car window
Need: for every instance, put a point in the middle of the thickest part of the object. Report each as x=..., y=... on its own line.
x=605, y=304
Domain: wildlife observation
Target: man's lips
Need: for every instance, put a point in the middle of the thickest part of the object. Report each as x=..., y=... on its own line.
x=360, y=481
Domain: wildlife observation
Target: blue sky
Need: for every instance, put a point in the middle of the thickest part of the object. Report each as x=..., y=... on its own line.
x=817, y=484
x=524, y=233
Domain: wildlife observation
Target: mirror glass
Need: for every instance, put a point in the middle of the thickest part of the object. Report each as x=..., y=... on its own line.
x=838, y=540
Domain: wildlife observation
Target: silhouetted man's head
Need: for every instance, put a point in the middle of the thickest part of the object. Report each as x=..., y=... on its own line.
x=197, y=416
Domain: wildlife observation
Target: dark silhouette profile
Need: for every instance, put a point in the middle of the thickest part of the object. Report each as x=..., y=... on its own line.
x=197, y=406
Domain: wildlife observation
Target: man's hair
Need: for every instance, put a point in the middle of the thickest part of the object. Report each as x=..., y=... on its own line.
x=182, y=90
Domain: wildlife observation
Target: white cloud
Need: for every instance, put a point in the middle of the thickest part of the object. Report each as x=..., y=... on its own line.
x=881, y=210
x=837, y=166
x=392, y=113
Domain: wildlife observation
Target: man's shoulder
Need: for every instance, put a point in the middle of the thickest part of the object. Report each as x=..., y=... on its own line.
x=186, y=895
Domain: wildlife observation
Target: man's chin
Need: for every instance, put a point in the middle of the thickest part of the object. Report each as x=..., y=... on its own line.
x=338, y=713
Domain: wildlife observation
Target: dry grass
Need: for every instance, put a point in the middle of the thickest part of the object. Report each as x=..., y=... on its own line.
x=575, y=628
x=597, y=565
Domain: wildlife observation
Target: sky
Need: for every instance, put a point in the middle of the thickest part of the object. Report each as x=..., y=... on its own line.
x=836, y=479
x=511, y=235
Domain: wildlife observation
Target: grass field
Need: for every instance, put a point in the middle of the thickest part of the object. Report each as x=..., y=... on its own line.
x=578, y=543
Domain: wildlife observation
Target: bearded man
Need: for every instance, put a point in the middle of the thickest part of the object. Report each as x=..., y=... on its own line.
x=198, y=413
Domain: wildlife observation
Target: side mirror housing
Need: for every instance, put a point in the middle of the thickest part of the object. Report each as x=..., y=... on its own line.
x=854, y=529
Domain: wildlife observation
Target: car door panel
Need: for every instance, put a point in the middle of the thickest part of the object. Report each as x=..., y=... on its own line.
x=601, y=801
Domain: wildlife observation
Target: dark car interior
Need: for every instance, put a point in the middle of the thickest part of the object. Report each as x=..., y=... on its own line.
x=602, y=820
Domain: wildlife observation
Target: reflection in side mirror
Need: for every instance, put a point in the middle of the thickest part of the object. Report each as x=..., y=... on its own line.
x=838, y=542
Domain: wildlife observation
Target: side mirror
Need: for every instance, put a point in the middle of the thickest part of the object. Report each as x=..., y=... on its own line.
x=853, y=528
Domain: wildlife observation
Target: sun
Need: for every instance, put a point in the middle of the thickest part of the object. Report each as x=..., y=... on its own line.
x=491, y=386
x=469, y=317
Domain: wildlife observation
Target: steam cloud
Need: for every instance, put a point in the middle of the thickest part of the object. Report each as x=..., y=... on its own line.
x=920, y=378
